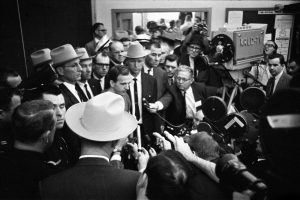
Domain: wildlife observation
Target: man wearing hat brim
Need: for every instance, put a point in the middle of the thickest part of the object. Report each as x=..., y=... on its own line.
x=40, y=58
x=101, y=123
x=85, y=84
x=142, y=87
x=43, y=70
x=66, y=63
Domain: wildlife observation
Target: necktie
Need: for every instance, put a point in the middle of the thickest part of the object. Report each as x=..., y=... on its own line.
x=80, y=93
x=271, y=88
x=136, y=101
x=171, y=81
x=87, y=92
x=100, y=81
x=149, y=70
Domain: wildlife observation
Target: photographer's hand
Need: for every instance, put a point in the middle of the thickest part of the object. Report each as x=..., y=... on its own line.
x=143, y=157
x=162, y=142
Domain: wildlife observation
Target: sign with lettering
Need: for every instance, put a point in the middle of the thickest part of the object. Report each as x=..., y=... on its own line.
x=248, y=44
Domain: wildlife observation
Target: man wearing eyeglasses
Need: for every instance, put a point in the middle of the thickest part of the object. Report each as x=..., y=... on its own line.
x=66, y=63
x=183, y=100
x=100, y=40
x=116, y=49
x=100, y=68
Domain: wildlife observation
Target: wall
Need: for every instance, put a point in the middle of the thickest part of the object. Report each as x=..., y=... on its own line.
x=101, y=9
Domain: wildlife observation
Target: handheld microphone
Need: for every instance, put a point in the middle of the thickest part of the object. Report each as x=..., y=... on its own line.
x=235, y=175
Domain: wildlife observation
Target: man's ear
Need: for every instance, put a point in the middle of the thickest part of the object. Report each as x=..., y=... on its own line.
x=60, y=71
x=112, y=83
x=45, y=136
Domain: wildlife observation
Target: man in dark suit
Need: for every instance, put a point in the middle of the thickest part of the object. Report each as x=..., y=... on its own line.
x=170, y=65
x=66, y=63
x=279, y=78
x=116, y=49
x=86, y=74
x=152, y=61
x=183, y=100
x=100, y=40
x=23, y=167
x=101, y=123
x=98, y=82
x=143, y=87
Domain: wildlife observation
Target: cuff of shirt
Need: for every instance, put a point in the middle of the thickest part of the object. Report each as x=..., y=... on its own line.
x=159, y=105
x=116, y=156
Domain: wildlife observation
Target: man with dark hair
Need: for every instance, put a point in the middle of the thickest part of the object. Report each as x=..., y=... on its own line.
x=279, y=78
x=293, y=66
x=152, y=61
x=126, y=42
x=119, y=79
x=9, y=100
x=22, y=168
x=98, y=81
x=170, y=65
x=61, y=153
x=100, y=40
x=100, y=122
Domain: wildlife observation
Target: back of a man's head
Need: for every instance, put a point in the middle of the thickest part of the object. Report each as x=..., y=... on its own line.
x=31, y=119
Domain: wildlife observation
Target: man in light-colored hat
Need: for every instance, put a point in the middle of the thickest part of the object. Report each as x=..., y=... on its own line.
x=86, y=63
x=143, y=87
x=66, y=63
x=40, y=58
x=100, y=122
x=43, y=71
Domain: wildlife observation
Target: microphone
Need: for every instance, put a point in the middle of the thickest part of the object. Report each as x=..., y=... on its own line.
x=235, y=175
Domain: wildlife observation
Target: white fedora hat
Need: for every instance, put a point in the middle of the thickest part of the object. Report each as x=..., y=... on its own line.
x=85, y=55
x=135, y=50
x=40, y=57
x=102, y=118
x=63, y=54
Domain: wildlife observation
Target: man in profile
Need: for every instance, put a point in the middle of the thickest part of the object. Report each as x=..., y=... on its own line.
x=100, y=122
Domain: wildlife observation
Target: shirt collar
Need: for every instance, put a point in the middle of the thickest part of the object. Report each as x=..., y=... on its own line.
x=81, y=84
x=94, y=156
x=279, y=75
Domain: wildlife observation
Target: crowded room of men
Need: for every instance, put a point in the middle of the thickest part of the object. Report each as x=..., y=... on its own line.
x=150, y=100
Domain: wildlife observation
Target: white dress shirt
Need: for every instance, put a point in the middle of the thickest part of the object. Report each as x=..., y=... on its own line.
x=102, y=80
x=72, y=89
x=276, y=80
x=146, y=70
x=81, y=85
x=139, y=88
